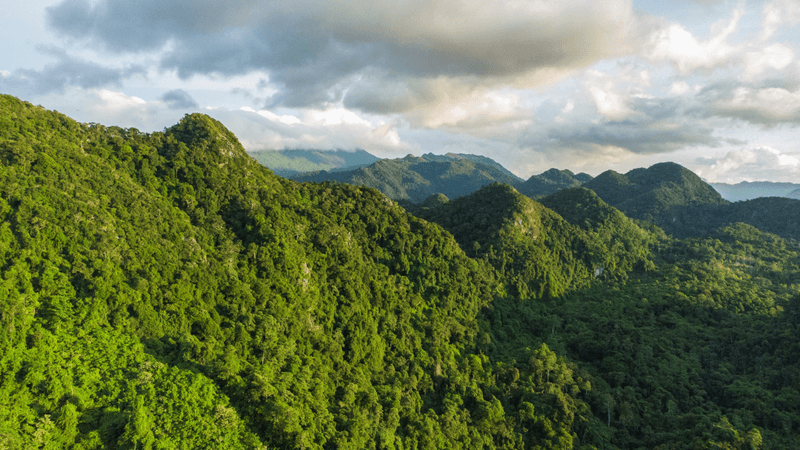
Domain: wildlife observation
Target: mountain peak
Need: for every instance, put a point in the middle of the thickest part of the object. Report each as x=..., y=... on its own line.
x=551, y=181
x=201, y=131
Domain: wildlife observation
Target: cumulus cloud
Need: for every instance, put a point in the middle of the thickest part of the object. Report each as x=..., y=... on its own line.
x=178, y=99
x=636, y=137
x=319, y=52
x=645, y=126
x=676, y=45
x=768, y=106
x=612, y=94
x=769, y=59
x=750, y=164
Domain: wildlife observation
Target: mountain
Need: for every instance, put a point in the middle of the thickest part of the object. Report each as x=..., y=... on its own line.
x=165, y=290
x=550, y=182
x=416, y=178
x=651, y=192
x=533, y=244
x=486, y=161
x=664, y=194
x=748, y=190
x=595, y=286
x=290, y=162
x=679, y=202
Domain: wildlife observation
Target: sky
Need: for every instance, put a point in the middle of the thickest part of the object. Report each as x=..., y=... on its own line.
x=581, y=85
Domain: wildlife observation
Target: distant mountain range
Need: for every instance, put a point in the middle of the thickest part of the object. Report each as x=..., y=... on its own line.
x=667, y=194
x=454, y=174
x=416, y=178
x=290, y=162
x=748, y=190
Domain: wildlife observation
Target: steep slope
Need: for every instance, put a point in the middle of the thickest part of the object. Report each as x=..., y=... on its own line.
x=780, y=216
x=415, y=179
x=543, y=254
x=664, y=194
x=291, y=162
x=650, y=193
x=678, y=350
x=550, y=182
x=165, y=290
x=614, y=242
x=679, y=202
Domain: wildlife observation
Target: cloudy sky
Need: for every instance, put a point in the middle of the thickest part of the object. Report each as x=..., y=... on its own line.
x=533, y=84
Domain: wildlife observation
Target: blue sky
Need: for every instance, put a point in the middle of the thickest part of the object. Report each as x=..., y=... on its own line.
x=580, y=85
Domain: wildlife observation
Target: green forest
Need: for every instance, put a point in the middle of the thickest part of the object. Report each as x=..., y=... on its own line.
x=166, y=291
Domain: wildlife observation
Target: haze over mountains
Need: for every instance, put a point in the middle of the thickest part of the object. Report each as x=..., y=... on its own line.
x=291, y=162
x=165, y=290
x=748, y=190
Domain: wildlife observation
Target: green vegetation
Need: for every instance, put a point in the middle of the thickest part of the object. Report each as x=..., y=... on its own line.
x=550, y=182
x=413, y=179
x=538, y=252
x=683, y=205
x=165, y=290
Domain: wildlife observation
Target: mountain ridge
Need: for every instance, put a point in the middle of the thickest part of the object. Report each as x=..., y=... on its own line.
x=166, y=290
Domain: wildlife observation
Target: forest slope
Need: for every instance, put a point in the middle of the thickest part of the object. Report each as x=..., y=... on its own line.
x=415, y=179
x=165, y=290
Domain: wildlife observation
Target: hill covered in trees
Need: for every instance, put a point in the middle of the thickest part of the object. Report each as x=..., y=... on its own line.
x=416, y=178
x=165, y=290
x=678, y=201
x=550, y=182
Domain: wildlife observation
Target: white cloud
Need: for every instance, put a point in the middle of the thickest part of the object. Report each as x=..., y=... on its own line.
x=750, y=164
x=676, y=45
x=777, y=13
x=613, y=94
x=284, y=119
x=768, y=59
x=679, y=88
x=766, y=106
x=333, y=128
x=477, y=112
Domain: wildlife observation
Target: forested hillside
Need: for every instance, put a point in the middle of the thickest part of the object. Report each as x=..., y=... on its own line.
x=689, y=344
x=683, y=205
x=413, y=179
x=551, y=181
x=165, y=290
